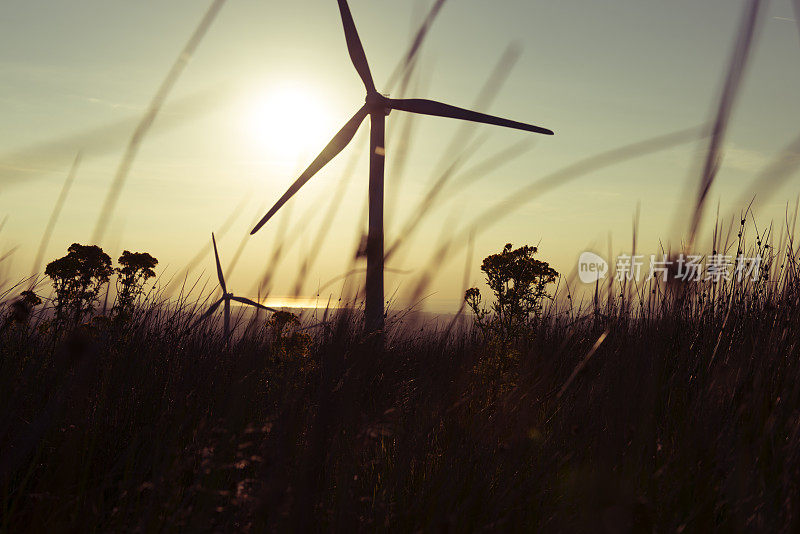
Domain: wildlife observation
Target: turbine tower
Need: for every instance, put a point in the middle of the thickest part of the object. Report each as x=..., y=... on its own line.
x=378, y=107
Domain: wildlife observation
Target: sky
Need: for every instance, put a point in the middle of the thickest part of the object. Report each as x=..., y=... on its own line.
x=272, y=82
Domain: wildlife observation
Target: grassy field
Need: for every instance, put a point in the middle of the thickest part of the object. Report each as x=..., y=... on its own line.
x=658, y=407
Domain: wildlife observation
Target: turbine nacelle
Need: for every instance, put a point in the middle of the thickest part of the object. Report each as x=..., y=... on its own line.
x=377, y=103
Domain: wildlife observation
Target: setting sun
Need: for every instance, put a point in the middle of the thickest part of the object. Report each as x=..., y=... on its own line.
x=289, y=120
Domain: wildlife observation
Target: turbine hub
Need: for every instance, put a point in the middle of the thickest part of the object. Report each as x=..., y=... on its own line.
x=377, y=102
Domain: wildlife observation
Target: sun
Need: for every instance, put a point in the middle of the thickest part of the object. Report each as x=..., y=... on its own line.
x=289, y=121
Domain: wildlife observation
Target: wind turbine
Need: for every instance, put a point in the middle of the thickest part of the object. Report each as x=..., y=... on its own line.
x=378, y=107
x=226, y=297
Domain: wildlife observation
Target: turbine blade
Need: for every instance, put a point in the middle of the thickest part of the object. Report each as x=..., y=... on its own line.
x=249, y=302
x=337, y=144
x=354, y=46
x=219, y=266
x=208, y=312
x=437, y=109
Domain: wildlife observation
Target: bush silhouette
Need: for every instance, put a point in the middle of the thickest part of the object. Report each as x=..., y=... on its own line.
x=134, y=270
x=287, y=341
x=519, y=283
x=77, y=280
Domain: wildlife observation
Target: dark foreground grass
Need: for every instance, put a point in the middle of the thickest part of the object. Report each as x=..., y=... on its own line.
x=685, y=418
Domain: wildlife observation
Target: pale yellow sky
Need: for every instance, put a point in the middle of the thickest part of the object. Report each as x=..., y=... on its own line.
x=600, y=74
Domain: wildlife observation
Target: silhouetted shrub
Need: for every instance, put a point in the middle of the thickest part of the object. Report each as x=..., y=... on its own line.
x=135, y=269
x=77, y=280
x=519, y=283
x=287, y=340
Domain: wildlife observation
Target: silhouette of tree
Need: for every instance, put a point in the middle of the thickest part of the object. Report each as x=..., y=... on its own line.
x=135, y=269
x=519, y=284
x=77, y=279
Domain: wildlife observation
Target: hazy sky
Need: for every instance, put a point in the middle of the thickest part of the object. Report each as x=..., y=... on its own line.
x=600, y=74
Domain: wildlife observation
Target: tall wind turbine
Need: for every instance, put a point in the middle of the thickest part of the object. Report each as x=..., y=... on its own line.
x=378, y=107
x=226, y=297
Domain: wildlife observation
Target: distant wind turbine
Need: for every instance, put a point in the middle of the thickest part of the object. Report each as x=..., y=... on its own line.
x=226, y=297
x=378, y=107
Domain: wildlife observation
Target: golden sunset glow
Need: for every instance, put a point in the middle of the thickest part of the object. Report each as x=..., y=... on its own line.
x=297, y=303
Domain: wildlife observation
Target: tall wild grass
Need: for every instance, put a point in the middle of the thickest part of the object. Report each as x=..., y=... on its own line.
x=666, y=407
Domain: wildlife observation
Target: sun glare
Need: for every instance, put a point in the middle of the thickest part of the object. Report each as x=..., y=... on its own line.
x=290, y=121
